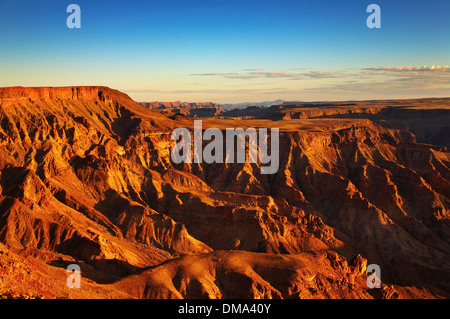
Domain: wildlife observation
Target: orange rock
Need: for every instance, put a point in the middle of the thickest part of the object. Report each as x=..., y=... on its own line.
x=86, y=177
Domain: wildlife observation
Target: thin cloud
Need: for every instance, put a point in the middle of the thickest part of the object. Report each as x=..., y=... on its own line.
x=226, y=75
x=322, y=75
x=433, y=68
x=435, y=76
x=214, y=74
x=250, y=75
x=276, y=74
x=256, y=74
x=392, y=79
x=378, y=79
x=432, y=59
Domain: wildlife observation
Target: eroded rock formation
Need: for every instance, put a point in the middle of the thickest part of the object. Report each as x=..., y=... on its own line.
x=86, y=177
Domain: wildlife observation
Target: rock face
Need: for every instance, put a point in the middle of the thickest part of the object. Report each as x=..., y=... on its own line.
x=244, y=275
x=428, y=119
x=86, y=177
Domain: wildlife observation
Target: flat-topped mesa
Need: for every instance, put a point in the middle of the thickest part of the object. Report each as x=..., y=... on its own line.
x=98, y=107
x=60, y=93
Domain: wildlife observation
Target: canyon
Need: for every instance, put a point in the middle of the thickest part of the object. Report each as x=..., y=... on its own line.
x=86, y=178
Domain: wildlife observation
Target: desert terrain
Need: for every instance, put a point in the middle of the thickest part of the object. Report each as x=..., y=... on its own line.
x=86, y=178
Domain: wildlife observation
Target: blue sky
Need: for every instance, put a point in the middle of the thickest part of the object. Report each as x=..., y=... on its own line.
x=230, y=51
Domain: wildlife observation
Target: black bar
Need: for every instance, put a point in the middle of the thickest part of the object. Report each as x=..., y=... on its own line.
x=227, y=308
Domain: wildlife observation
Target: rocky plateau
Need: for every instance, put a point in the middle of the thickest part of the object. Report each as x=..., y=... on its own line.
x=86, y=178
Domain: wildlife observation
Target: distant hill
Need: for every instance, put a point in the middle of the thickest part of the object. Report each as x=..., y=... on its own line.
x=200, y=109
x=248, y=104
x=177, y=105
x=210, y=109
x=223, y=107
